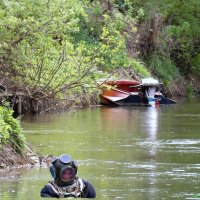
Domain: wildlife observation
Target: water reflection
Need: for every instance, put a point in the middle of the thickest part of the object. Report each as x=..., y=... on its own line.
x=119, y=118
x=141, y=125
x=150, y=126
x=129, y=153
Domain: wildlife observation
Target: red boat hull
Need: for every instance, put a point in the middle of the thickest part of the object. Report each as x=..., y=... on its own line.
x=127, y=93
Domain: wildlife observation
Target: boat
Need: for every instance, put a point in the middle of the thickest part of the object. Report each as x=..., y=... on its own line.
x=132, y=92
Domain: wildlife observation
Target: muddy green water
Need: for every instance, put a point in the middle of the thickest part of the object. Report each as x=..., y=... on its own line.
x=141, y=153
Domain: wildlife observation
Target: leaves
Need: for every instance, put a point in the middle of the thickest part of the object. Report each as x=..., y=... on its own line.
x=53, y=47
x=10, y=130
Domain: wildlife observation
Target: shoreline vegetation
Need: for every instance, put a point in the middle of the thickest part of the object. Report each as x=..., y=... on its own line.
x=13, y=148
x=51, y=60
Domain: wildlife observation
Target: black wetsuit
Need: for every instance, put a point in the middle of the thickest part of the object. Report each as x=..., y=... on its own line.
x=88, y=191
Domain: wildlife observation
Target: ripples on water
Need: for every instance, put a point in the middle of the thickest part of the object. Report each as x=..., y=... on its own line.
x=127, y=153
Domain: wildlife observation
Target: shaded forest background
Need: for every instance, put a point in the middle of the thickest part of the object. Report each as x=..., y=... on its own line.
x=54, y=52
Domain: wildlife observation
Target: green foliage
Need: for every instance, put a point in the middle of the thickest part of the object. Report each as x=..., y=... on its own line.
x=182, y=20
x=139, y=68
x=185, y=29
x=10, y=130
x=163, y=68
x=184, y=46
x=111, y=52
x=38, y=44
x=159, y=61
x=59, y=47
x=190, y=91
x=196, y=64
x=56, y=46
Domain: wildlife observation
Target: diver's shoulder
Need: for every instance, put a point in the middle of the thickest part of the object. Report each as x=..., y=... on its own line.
x=84, y=180
x=89, y=189
x=48, y=191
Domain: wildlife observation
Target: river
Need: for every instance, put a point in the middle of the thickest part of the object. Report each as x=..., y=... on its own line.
x=141, y=153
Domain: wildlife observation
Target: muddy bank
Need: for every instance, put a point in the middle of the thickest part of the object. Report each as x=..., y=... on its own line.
x=9, y=158
x=27, y=104
x=25, y=99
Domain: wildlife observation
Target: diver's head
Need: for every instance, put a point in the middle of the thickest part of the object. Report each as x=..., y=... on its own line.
x=63, y=169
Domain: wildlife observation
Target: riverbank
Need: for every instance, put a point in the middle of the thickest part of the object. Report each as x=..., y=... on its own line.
x=33, y=100
x=9, y=158
x=53, y=104
x=14, y=150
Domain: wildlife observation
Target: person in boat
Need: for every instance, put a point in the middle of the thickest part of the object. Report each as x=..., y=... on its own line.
x=66, y=183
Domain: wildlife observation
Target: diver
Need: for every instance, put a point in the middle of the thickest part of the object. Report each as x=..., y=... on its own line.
x=66, y=183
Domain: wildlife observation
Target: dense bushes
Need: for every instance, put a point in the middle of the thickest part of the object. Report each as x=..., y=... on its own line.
x=179, y=47
x=14, y=150
x=57, y=48
x=10, y=131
